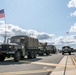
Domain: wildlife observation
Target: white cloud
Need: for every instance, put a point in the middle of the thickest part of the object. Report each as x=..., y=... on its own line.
x=73, y=28
x=65, y=40
x=72, y=3
x=16, y=30
x=2, y=22
x=73, y=14
x=42, y=36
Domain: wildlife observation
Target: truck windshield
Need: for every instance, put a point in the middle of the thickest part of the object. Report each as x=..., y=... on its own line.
x=15, y=40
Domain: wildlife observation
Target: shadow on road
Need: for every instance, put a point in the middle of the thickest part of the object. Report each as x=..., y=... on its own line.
x=68, y=54
x=23, y=61
x=44, y=55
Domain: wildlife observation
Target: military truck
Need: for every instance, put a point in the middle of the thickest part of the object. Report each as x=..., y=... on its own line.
x=52, y=48
x=43, y=49
x=66, y=49
x=18, y=47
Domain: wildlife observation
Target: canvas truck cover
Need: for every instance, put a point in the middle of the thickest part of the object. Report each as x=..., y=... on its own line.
x=28, y=41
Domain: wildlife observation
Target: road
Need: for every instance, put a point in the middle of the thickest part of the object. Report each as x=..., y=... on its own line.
x=42, y=65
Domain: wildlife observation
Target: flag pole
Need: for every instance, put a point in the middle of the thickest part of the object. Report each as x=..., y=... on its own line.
x=2, y=15
x=5, y=34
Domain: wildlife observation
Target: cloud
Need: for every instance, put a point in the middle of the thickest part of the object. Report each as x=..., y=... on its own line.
x=42, y=36
x=73, y=28
x=12, y=30
x=72, y=3
x=65, y=40
x=2, y=22
x=73, y=14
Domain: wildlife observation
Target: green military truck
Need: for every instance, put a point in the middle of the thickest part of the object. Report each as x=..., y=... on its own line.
x=52, y=48
x=43, y=49
x=66, y=49
x=18, y=47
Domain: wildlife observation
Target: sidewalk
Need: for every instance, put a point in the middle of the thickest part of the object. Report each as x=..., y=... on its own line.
x=60, y=70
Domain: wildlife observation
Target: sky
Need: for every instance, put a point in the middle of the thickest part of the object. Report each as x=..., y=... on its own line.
x=47, y=20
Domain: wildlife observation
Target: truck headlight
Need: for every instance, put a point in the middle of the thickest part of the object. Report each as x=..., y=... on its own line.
x=9, y=46
x=22, y=46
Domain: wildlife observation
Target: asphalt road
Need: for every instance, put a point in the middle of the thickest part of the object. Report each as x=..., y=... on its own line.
x=38, y=66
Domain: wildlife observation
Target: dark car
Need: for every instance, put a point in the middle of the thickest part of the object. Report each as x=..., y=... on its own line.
x=66, y=49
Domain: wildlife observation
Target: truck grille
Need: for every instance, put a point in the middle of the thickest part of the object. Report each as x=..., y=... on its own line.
x=5, y=48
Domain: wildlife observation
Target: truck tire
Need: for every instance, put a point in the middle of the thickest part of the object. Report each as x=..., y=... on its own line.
x=30, y=55
x=2, y=58
x=22, y=57
x=47, y=52
x=42, y=53
x=69, y=53
x=62, y=53
x=17, y=56
x=35, y=54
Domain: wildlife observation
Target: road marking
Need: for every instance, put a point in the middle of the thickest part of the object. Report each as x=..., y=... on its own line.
x=48, y=64
x=43, y=63
x=70, y=67
x=27, y=72
x=72, y=71
x=74, y=60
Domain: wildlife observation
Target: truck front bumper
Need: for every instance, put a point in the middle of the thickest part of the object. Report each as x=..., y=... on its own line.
x=7, y=52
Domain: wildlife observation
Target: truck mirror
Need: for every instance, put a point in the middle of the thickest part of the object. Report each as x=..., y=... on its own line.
x=8, y=40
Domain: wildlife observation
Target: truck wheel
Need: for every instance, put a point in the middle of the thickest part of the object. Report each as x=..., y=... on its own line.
x=41, y=54
x=22, y=57
x=47, y=52
x=17, y=56
x=69, y=53
x=62, y=53
x=34, y=55
x=30, y=55
x=2, y=58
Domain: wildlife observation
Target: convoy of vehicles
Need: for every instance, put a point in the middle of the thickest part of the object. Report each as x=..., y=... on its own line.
x=22, y=45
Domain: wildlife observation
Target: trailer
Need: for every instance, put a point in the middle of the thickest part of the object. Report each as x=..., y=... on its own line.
x=18, y=47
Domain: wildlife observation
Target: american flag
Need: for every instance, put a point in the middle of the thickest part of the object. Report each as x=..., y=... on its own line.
x=2, y=13
x=67, y=32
